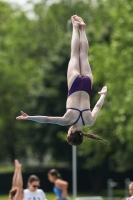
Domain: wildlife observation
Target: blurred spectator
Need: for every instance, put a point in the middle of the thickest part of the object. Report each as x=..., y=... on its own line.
x=130, y=191
x=60, y=186
x=32, y=192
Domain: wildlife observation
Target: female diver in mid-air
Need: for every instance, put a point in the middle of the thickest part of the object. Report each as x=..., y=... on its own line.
x=80, y=79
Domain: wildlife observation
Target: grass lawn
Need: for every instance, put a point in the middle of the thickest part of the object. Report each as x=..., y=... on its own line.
x=3, y=197
x=50, y=196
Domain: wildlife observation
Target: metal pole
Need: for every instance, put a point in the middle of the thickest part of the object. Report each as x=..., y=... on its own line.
x=74, y=172
x=68, y=24
x=69, y=28
x=110, y=191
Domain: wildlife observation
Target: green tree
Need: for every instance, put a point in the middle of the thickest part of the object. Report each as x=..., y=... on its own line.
x=18, y=78
x=34, y=57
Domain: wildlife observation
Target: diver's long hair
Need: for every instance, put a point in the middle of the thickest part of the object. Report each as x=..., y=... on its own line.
x=76, y=138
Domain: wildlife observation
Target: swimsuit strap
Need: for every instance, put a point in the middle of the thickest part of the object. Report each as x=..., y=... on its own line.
x=80, y=115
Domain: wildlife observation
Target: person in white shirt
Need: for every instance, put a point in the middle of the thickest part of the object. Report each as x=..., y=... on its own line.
x=130, y=191
x=32, y=192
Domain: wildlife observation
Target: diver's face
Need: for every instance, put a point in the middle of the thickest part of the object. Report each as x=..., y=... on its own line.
x=73, y=128
x=70, y=131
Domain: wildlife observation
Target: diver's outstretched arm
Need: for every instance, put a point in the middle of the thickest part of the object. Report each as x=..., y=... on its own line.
x=99, y=104
x=63, y=121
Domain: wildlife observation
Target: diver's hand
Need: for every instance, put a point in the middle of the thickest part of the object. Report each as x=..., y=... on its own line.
x=17, y=163
x=24, y=116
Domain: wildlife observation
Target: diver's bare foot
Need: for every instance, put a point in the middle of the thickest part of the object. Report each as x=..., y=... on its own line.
x=75, y=22
x=79, y=20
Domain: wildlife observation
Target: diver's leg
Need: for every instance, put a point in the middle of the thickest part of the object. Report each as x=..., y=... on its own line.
x=84, y=47
x=73, y=67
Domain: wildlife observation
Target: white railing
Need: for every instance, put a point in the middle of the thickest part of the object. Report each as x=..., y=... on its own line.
x=89, y=198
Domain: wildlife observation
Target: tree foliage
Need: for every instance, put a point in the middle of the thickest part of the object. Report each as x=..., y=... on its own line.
x=34, y=54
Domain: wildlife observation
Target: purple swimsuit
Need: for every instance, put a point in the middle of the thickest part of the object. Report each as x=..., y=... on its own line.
x=81, y=83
